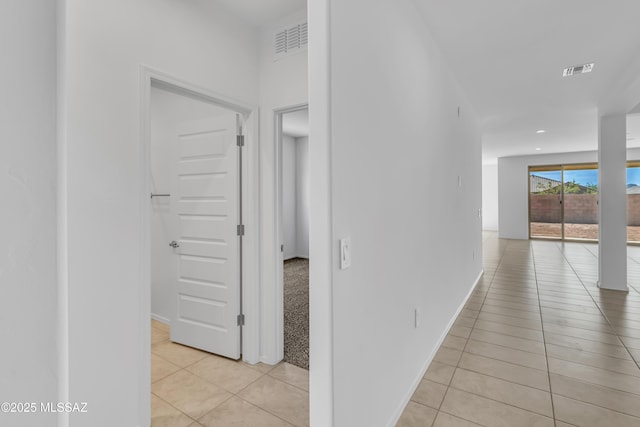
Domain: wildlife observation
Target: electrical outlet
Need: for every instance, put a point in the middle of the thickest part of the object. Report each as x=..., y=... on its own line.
x=474, y=254
x=416, y=317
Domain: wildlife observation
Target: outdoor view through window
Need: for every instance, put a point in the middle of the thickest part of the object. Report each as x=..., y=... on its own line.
x=563, y=202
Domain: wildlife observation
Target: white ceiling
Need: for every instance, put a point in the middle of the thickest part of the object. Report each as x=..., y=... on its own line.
x=262, y=13
x=296, y=124
x=508, y=55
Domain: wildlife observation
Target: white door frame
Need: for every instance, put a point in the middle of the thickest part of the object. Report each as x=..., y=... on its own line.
x=277, y=161
x=251, y=215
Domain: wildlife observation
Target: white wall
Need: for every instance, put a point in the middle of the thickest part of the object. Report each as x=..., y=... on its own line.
x=389, y=147
x=513, y=186
x=302, y=197
x=107, y=42
x=162, y=125
x=283, y=84
x=289, y=197
x=490, y=197
x=295, y=196
x=28, y=273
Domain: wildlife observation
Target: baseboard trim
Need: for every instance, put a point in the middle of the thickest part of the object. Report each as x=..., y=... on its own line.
x=423, y=370
x=160, y=319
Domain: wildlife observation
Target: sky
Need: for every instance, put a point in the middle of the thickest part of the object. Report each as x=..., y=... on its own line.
x=590, y=176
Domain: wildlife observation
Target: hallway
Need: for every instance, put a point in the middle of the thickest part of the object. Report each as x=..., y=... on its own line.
x=538, y=344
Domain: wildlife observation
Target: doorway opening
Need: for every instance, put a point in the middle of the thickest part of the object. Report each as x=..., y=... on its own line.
x=293, y=264
x=196, y=213
x=563, y=202
x=197, y=281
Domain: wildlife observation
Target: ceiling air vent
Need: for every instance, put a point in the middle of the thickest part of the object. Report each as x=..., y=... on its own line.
x=289, y=40
x=577, y=69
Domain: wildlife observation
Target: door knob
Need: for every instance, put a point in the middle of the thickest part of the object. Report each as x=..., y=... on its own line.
x=174, y=244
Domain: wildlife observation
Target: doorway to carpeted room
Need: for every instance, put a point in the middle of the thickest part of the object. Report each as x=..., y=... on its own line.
x=296, y=312
x=294, y=210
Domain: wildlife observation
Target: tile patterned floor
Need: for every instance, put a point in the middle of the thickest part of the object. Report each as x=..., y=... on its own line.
x=537, y=344
x=191, y=388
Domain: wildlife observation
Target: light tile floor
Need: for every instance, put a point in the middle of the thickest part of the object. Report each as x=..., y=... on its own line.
x=537, y=344
x=191, y=388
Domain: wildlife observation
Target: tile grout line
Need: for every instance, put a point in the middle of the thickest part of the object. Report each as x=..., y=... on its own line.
x=485, y=397
x=177, y=409
x=544, y=340
x=637, y=362
x=474, y=327
x=232, y=394
x=465, y=344
x=500, y=402
x=568, y=262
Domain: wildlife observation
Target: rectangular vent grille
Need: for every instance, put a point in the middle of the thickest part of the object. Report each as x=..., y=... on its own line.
x=578, y=69
x=289, y=40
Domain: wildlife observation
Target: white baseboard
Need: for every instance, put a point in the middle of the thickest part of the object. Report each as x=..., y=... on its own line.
x=423, y=370
x=160, y=319
x=268, y=361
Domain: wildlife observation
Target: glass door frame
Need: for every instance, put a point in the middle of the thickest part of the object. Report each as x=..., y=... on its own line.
x=546, y=168
x=561, y=168
x=631, y=164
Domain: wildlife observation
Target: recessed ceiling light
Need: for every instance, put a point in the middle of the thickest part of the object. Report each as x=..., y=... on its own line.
x=538, y=148
x=541, y=131
x=578, y=69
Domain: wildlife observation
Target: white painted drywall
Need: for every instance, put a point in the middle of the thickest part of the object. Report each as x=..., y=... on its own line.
x=283, y=84
x=289, y=198
x=321, y=248
x=28, y=273
x=295, y=196
x=490, y=197
x=387, y=149
x=513, y=186
x=107, y=42
x=162, y=126
x=612, y=206
x=302, y=197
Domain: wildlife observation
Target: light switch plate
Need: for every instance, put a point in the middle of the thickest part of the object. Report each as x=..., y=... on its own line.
x=345, y=253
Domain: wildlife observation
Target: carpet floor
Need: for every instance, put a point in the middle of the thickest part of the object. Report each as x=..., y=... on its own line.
x=296, y=312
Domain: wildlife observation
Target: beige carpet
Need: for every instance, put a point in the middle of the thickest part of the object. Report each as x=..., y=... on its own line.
x=296, y=312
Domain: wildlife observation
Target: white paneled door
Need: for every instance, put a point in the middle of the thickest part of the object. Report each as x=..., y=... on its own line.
x=205, y=204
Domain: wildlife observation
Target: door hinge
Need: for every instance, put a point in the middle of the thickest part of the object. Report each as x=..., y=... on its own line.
x=240, y=319
x=240, y=140
x=241, y=230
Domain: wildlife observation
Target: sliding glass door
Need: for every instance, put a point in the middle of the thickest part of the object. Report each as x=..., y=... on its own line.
x=563, y=202
x=545, y=202
x=580, y=202
x=633, y=202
